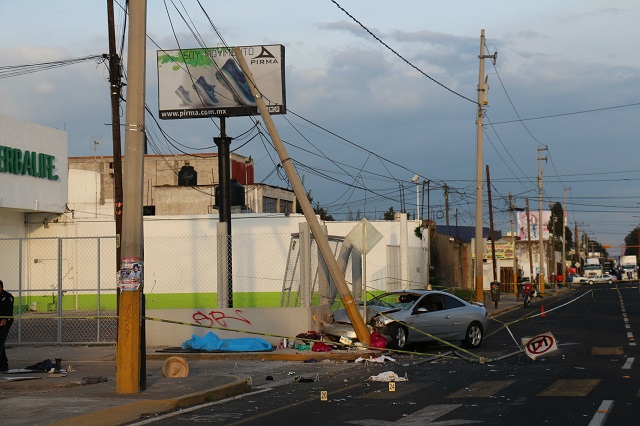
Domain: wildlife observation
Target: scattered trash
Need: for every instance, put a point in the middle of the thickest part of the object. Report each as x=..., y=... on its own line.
x=387, y=376
x=301, y=346
x=175, y=367
x=381, y=359
x=45, y=365
x=377, y=340
x=309, y=335
x=269, y=378
x=291, y=373
x=345, y=340
x=303, y=380
x=92, y=380
x=321, y=347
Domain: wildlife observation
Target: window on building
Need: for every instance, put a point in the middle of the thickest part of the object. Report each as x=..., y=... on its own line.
x=286, y=206
x=269, y=205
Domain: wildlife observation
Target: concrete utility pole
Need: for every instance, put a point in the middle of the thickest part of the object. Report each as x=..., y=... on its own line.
x=513, y=242
x=323, y=245
x=576, y=248
x=529, y=244
x=483, y=89
x=564, y=238
x=128, y=350
x=540, y=225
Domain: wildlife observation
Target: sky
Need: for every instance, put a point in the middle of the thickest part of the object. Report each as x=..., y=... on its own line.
x=366, y=114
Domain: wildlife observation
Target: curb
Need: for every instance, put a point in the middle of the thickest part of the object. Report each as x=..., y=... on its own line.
x=131, y=412
x=281, y=355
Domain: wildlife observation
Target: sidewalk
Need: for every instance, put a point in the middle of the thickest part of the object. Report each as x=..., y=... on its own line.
x=51, y=399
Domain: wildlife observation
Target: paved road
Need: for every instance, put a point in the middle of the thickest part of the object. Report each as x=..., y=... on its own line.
x=590, y=378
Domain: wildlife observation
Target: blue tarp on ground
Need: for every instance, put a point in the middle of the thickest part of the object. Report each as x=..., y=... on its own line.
x=211, y=342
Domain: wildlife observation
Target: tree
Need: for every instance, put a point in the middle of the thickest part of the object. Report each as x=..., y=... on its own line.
x=390, y=214
x=631, y=242
x=557, y=216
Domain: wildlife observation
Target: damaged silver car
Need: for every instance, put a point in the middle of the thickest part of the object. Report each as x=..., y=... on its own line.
x=409, y=316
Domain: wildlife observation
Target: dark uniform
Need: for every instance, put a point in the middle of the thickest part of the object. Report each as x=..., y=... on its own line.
x=6, y=319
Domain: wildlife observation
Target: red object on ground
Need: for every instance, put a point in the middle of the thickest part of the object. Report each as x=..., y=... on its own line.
x=542, y=314
x=320, y=347
x=377, y=340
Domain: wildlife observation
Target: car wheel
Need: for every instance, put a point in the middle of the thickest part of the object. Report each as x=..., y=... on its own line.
x=399, y=336
x=473, y=337
x=590, y=282
x=610, y=281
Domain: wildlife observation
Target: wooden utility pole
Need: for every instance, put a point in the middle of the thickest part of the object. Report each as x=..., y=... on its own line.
x=128, y=349
x=446, y=202
x=115, y=89
x=493, y=240
x=323, y=245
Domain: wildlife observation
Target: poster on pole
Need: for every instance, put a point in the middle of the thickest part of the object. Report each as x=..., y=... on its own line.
x=208, y=82
x=130, y=274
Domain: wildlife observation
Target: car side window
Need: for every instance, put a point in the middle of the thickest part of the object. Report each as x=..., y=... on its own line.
x=428, y=302
x=450, y=302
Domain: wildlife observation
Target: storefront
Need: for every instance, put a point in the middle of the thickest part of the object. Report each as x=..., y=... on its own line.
x=33, y=174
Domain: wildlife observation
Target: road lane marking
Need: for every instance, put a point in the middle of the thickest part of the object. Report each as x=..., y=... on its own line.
x=602, y=413
x=485, y=388
x=613, y=350
x=628, y=363
x=425, y=416
x=570, y=387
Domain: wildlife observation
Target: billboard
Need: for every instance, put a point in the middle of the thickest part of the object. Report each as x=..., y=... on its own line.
x=535, y=224
x=208, y=82
x=503, y=250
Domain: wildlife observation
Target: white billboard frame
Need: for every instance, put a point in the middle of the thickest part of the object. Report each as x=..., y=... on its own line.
x=208, y=82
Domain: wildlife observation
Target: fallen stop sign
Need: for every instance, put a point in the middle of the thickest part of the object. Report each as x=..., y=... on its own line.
x=539, y=345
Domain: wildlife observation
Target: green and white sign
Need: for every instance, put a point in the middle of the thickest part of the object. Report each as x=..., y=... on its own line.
x=28, y=163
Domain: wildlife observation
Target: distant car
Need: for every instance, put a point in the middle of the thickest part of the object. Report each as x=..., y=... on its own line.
x=601, y=279
x=408, y=316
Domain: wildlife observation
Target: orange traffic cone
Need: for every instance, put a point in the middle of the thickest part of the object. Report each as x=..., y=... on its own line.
x=542, y=314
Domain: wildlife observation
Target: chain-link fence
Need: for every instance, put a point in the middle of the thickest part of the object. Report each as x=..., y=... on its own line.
x=64, y=289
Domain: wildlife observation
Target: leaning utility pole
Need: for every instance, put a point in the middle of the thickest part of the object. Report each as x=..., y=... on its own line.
x=540, y=225
x=115, y=85
x=323, y=245
x=483, y=89
x=128, y=349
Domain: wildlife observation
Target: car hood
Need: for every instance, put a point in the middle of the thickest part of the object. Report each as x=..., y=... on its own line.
x=340, y=315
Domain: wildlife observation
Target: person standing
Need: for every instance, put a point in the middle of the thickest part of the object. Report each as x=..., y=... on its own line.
x=6, y=319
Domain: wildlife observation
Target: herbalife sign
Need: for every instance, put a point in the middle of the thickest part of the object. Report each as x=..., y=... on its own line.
x=29, y=163
x=208, y=82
